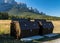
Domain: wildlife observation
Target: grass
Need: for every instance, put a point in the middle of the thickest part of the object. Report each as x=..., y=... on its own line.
x=5, y=26
x=56, y=26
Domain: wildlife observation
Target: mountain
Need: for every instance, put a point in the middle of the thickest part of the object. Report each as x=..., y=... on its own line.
x=10, y=5
x=21, y=10
x=5, y=7
x=32, y=15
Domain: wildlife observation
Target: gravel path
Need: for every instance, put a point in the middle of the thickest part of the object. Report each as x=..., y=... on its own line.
x=53, y=41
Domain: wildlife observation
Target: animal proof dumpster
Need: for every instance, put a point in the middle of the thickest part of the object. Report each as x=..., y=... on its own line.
x=45, y=28
x=50, y=27
x=29, y=28
x=26, y=28
x=15, y=30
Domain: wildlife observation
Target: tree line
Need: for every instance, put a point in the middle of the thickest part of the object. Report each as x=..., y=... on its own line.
x=6, y=16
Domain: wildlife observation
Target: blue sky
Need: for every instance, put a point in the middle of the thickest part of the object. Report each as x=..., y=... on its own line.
x=50, y=7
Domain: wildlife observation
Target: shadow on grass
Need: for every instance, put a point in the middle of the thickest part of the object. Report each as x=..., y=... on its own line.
x=5, y=38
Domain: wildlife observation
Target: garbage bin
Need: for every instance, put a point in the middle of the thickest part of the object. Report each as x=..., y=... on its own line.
x=45, y=28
